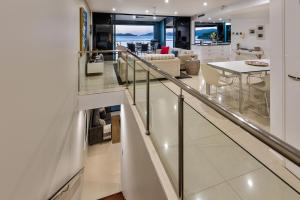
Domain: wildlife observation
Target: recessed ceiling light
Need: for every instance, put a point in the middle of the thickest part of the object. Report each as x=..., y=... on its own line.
x=166, y=1
x=176, y=13
x=147, y=11
x=220, y=19
x=113, y=9
x=133, y=16
x=205, y=4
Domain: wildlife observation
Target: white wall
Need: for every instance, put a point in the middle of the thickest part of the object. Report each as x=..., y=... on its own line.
x=138, y=175
x=41, y=130
x=250, y=41
x=277, y=71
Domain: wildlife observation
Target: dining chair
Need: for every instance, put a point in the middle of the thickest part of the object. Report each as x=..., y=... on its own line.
x=213, y=77
x=262, y=87
x=145, y=48
x=131, y=47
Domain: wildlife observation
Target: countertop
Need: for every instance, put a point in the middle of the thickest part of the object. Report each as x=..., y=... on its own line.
x=212, y=44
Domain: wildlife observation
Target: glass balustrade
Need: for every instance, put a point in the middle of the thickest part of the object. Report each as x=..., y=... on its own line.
x=202, y=162
x=100, y=71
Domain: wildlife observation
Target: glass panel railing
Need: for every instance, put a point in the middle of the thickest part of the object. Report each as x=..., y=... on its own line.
x=215, y=167
x=164, y=125
x=201, y=161
x=141, y=90
x=100, y=71
x=131, y=76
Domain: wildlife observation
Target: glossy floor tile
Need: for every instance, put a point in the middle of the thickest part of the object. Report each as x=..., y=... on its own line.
x=212, y=159
x=102, y=171
x=99, y=83
x=261, y=185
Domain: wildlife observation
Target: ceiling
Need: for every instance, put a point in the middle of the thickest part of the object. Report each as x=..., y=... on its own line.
x=183, y=7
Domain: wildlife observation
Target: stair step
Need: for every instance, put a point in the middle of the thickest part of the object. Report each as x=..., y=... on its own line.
x=117, y=196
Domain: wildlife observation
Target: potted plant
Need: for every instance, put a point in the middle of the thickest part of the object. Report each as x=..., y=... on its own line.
x=214, y=36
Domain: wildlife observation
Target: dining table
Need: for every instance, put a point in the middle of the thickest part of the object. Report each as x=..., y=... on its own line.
x=239, y=68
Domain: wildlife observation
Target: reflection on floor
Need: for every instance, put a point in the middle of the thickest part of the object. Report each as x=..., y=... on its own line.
x=102, y=171
x=228, y=97
x=215, y=166
x=99, y=83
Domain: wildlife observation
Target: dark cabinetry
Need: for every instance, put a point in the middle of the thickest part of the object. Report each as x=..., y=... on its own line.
x=182, y=26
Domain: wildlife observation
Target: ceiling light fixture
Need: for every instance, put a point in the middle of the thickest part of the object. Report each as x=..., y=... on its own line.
x=205, y=4
x=220, y=19
x=147, y=11
x=154, y=17
x=134, y=17
x=113, y=9
x=176, y=13
x=166, y=1
x=209, y=18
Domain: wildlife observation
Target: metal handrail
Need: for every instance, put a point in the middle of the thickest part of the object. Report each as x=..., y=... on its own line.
x=281, y=147
x=65, y=188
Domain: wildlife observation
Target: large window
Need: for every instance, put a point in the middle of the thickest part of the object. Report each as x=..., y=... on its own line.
x=212, y=32
x=134, y=33
x=170, y=37
x=204, y=33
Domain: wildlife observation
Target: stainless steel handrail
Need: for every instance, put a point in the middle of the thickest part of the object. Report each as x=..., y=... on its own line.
x=65, y=188
x=283, y=148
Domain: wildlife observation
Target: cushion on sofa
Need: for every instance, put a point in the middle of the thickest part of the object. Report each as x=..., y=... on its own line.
x=164, y=50
x=150, y=57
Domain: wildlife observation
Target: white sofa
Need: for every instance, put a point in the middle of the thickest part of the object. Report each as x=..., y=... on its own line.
x=183, y=55
x=166, y=62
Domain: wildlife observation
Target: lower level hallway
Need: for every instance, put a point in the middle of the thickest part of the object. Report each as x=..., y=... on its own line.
x=102, y=171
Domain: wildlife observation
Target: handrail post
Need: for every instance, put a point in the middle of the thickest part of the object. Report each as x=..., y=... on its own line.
x=180, y=146
x=126, y=75
x=148, y=104
x=134, y=95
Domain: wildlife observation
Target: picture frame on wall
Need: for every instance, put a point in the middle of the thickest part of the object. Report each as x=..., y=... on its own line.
x=260, y=36
x=252, y=31
x=260, y=28
x=260, y=32
x=83, y=29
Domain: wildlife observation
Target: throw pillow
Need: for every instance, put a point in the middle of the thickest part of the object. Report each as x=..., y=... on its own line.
x=164, y=50
x=102, y=122
x=175, y=52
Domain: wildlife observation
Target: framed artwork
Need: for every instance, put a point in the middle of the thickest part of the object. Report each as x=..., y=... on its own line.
x=261, y=36
x=260, y=32
x=260, y=28
x=83, y=29
x=252, y=31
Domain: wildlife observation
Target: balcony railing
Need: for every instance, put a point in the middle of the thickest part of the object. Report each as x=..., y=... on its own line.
x=196, y=154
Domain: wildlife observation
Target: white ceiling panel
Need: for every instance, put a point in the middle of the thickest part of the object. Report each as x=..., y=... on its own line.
x=183, y=7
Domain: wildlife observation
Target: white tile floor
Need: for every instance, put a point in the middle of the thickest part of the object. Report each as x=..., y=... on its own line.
x=102, y=171
x=99, y=83
x=215, y=166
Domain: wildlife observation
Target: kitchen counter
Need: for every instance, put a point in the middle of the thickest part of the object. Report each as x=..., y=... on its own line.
x=212, y=44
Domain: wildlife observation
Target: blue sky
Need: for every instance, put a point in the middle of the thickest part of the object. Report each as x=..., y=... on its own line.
x=137, y=30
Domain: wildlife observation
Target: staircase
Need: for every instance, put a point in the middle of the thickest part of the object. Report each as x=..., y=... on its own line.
x=117, y=196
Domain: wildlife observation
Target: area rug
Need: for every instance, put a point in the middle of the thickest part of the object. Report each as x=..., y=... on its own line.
x=183, y=75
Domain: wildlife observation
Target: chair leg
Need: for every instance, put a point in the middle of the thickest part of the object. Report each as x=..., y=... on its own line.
x=267, y=103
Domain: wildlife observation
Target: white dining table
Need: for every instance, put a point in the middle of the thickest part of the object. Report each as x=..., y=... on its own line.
x=238, y=68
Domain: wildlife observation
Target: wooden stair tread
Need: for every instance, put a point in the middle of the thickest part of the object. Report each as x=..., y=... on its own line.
x=117, y=196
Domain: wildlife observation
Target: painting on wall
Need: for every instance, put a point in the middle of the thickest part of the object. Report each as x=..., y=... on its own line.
x=252, y=31
x=83, y=29
x=260, y=32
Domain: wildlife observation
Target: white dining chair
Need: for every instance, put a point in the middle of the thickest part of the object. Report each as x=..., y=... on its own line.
x=264, y=88
x=213, y=77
